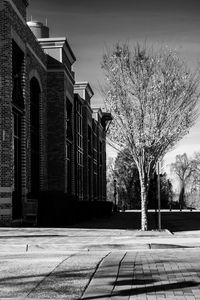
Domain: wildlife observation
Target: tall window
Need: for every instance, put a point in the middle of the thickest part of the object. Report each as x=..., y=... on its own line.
x=18, y=110
x=89, y=141
x=69, y=139
x=100, y=169
x=69, y=120
x=35, y=136
x=89, y=162
x=17, y=204
x=69, y=167
x=95, y=169
x=79, y=151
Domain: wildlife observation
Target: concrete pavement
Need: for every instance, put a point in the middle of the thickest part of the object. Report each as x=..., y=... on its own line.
x=157, y=274
x=100, y=263
x=77, y=239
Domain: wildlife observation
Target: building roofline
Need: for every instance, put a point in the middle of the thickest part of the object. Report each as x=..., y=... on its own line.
x=85, y=85
x=60, y=42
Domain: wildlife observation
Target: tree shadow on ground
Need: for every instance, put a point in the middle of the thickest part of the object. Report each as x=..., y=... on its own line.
x=147, y=290
x=173, y=221
x=134, y=282
x=119, y=220
x=181, y=221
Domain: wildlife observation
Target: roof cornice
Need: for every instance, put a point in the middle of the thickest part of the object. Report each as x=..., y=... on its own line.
x=58, y=42
x=86, y=86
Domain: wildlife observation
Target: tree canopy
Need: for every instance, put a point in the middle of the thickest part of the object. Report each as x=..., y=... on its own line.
x=153, y=100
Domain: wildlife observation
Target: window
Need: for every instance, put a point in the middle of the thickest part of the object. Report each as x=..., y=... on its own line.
x=79, y=150
x=69, y=167
x=17, y=205
x=89, y=141
x=89, y=162
x=95, y=168
x=69, y=120
x=100, y=170
x=69, y=138
x=17, y=107
x=35, y=136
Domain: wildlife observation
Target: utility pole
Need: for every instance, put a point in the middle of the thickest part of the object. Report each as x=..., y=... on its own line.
x=115, y=194
x=158, y=192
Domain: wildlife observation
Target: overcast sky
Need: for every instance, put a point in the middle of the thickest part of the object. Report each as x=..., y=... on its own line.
x=91, y=26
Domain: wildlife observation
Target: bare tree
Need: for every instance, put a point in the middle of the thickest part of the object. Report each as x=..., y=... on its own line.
x=153, y=99
x=195, y=180
x=184, y=169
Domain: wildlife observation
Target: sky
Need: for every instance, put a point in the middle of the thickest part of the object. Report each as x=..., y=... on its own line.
x=93, y=26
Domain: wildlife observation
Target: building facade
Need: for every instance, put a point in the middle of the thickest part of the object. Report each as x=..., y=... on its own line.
x=50, y=138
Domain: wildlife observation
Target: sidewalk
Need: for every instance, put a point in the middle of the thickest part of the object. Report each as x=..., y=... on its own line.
x=161, y=274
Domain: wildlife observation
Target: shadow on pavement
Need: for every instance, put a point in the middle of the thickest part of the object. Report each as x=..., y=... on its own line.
x=119, y=220
x=157, y=288
x=173, y=221
x=181, y=221
x=147, y=290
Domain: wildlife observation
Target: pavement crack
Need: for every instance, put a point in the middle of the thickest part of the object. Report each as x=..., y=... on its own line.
x=49, y=274
x=114, y=285
x=92, y=276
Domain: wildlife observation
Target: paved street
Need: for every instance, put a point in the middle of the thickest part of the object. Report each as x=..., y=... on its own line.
x=103, y=262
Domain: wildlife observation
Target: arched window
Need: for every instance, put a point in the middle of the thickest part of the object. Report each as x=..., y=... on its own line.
x=35, y=94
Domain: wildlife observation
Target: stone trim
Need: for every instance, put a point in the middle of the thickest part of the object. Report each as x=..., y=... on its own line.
x=6, y=200
x=6, y=189
x=5, y=212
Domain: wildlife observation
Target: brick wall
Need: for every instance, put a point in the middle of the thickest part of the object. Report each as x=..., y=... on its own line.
x=56, y=130
x=13, y=27
x=56, y=85
x=21, y=6
x=5, y=115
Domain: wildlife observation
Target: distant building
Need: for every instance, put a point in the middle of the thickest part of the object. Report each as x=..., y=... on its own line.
x=50, y=138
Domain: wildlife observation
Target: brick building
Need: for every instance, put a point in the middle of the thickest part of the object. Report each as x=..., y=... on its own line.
x=50, y=138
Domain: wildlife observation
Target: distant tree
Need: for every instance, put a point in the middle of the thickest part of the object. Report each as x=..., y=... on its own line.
x=153, y=100
x=184, y=169
x=128, y=182
x=166, y=192
x=126, y=174
x=110, y=179
x=196, y=172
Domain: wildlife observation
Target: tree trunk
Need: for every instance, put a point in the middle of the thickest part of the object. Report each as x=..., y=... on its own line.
x=182, y=197
x=144, y=193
